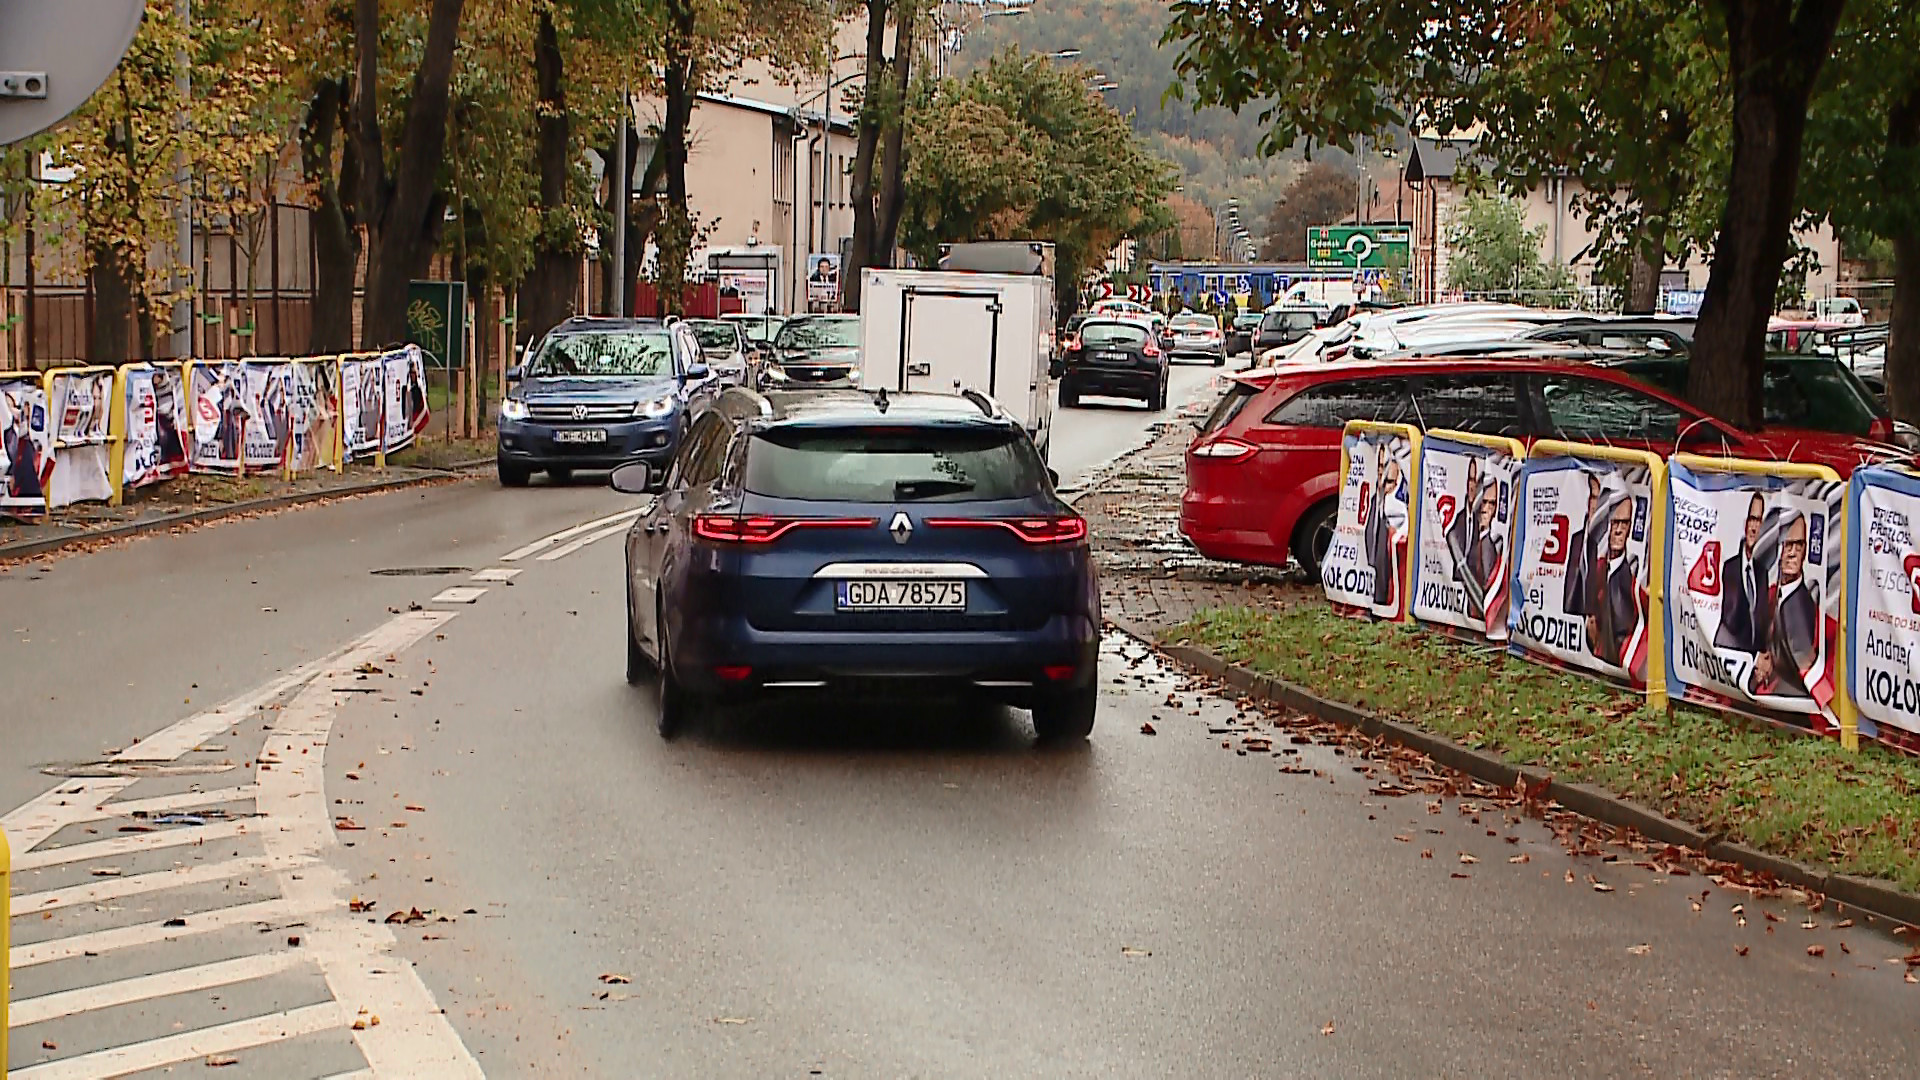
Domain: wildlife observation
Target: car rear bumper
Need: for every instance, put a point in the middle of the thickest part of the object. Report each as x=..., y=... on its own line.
x=533, y=445
x=1006, y=664
x=1220, y=530
x=1208, y=351
x=1123, y=382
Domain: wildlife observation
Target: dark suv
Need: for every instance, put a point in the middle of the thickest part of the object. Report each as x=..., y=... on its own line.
x=598, y=394
x=907, y=546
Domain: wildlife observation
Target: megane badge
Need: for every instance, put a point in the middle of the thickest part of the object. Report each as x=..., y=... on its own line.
x=901, y=527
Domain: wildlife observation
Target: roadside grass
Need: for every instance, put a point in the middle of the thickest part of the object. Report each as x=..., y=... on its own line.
x=435, y=451
x=1800, y=797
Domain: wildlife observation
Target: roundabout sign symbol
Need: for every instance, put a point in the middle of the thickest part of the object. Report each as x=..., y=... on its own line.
x=1359, y=246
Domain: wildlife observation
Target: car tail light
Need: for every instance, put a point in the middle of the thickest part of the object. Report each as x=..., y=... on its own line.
x=1881, y=430
x=1071, y=529
x=1059, y=672
x=728, y=529
x=1151, y=349
x=1073, y=343
x=1225, y=450
x=733, y=673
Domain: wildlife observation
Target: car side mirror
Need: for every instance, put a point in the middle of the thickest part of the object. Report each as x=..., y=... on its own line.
x=698, y=371
x=633, y=478
x=514, y=373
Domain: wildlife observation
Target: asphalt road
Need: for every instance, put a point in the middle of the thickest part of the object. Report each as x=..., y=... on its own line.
x=476, y=856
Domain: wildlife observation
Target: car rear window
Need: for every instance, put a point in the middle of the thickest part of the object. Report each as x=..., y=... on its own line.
x=1112, y=334
x=1824, y=396
x=1288, y=320
x=1228, y=407
x=1331, y=405
x=1194, y=322
x=893, y=464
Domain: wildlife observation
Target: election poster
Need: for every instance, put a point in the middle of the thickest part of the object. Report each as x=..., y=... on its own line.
x=268, y=433
x=363, y=397
x=156, y=436
x=79, y=411
x=405, y=397
x=26, y=461
x=225, y=403
x=1753, y=592
x=315, y=415
x=1461, y=573
x=1366, y=562
x=1582, y=565
x=1883, y=603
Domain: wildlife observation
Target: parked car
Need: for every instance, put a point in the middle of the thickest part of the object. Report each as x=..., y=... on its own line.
x=1114, y=357
x=815, y=352
x=1652, y=335
x=1111, y=306
x=724, y=344
x=1838, y=310
x=1197, y=335
x=1808, y=391
x=760, y=331
x=840, y=542
x=1240, y=332
x=1262, y=474
x=598, y=394
x=1284, y=326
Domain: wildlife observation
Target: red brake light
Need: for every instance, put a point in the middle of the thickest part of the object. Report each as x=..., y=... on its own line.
x=1039, y=530
x=733, y=673
x=727, y=529
x=1224, y=450
x=1151, y=349
x=1073, y=343
x=1881, y=429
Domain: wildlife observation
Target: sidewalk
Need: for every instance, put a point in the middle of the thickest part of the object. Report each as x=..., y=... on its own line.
x=190, y=500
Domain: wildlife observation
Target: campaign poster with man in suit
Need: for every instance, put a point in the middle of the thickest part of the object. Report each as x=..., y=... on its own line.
x=1753, y=592
x=1462, y=569
x=1581, y=565
x=1366, y=562
x=24, y=461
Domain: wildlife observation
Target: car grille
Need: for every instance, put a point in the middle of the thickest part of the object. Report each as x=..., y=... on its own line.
x=568, y=412
x=814, y=374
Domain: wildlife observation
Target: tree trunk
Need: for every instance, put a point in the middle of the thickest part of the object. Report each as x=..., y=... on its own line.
x=336, y=243
x=404, y=213
x=1903, y=328
x=893, y=158
x=675, y=239
x=875, y=113
x=1776, y=49
x=113, y=297
x=1643, y=272
x=550, y=290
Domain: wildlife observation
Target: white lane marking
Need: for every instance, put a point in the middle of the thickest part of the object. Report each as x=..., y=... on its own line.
x=224, y=1039
x=357, y=1074
x=179, y=738
x=563, y=552
x=36, y=1010
x=357, y=957
x=170, y=804
x=567, y=534
x=117, y=888
x=114, y=847
x=33, y=821
x=460, y=594
x=496, y=573
x=149, y=933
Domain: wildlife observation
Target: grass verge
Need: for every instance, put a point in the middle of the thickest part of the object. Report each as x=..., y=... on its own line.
x=1799, y=797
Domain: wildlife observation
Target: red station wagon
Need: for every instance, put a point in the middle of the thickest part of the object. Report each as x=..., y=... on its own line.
x=1262, y=475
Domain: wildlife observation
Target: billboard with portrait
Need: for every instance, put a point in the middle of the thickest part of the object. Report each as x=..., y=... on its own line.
x=1883, y=603
x=80, y=410
x=1462, y=570
x=157, y=426
x=26, y=460
x=1365, y=568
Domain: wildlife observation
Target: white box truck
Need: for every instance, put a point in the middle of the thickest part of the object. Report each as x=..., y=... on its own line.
x=944, y=331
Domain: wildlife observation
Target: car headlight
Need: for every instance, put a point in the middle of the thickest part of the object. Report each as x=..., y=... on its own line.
x=853, y=376
x=656, y=407
x=775, y=374
x=513, y=409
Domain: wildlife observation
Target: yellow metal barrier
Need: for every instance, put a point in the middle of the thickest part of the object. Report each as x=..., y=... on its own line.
x=1844, y=708
x=116, y=432
x=1656, y=679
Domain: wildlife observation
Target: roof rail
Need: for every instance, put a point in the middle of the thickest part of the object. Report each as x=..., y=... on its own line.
x=984, y=403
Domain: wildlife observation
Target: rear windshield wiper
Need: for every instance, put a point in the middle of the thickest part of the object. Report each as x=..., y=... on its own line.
x=926, y=489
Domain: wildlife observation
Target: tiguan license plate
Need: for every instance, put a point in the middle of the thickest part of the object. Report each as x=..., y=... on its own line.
x=581, y=435
x=902, y=596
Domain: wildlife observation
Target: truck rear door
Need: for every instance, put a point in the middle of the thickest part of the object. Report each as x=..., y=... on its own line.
x=949, y=337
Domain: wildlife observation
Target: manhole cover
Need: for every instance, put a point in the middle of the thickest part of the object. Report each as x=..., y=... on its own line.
x=422, y=571
x=132, y=767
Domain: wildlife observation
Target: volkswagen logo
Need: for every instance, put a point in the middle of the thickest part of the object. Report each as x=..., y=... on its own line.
x=901, y=527
x=579, y=412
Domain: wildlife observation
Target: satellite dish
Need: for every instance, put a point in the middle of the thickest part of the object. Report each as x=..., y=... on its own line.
x=54, y=54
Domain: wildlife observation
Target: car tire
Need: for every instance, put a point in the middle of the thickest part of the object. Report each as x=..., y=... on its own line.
x=1312, y=536
x=1220, y=359
x=512, y=475
x=1069, y=398
x=559, y=475
x=1158, y=401
x=1057, y=721
x=675, y=708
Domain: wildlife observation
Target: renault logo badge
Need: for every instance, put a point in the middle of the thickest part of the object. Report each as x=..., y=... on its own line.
x=901, y=527
x=579, y=412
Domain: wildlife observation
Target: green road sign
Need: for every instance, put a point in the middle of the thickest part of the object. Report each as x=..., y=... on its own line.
x=1359, y=247
x=437, y=321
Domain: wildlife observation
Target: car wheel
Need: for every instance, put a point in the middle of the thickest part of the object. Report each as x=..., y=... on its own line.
x=1069, y=398
x=1067, y=719
x=560, y=475
x=1158, y=402
x=1220, y=359
x=512, y=475
x=1314, y=535
x=676, y=707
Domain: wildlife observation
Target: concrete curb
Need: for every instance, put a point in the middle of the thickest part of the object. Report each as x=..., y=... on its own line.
x=1875, y=897
x=29, y=548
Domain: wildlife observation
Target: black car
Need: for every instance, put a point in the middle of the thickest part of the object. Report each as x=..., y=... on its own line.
x=907, y=547
x=1240, y=332
x=1114, y=357
x=598, y=394
x=1799, y=390
x=815, y=352
x=1283, y=326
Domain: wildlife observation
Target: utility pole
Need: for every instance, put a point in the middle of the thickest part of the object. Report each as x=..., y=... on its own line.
x=622, y=195
x=182, y=317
